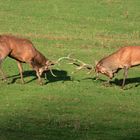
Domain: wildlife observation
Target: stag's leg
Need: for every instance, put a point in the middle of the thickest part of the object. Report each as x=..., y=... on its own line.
x=125, y=76
x=97, y=76
x=20, y=71
x=32, y=65
x=4, y=77
x=39, y=77
x=2, y=57
x=107, y=83
x=45, y=76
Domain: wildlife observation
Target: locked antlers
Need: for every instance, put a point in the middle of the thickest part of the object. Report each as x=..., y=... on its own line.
x=80, y=64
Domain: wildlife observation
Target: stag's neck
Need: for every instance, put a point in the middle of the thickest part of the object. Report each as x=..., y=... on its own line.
x=40, y=60
x=111, y=63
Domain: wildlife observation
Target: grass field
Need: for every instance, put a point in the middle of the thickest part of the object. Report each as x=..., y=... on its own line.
x=71, y=106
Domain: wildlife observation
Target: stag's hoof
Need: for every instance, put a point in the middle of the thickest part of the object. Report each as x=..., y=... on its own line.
x=40, y=83
x=22, y=82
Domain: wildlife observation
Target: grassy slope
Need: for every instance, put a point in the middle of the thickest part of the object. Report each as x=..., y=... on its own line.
x=80, y=108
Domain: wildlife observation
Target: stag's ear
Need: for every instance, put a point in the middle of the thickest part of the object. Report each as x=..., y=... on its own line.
x=96, y=62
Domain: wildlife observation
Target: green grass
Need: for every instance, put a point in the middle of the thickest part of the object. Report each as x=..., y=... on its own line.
x=71, y=106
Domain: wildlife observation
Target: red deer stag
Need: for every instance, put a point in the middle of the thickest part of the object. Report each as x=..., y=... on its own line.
x=124, y=58
x=23, y=51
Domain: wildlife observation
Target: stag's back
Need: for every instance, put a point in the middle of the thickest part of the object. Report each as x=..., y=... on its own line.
x=21, y=49
x=126, y=56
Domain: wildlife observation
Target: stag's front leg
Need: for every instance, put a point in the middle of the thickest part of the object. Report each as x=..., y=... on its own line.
x=36, y=69
x=20, y=71
x=97, y=76
x=39, y=77
x=107, y=83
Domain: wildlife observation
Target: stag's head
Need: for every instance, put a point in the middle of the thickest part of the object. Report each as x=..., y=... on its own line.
x=46, y=67
x=99, y=68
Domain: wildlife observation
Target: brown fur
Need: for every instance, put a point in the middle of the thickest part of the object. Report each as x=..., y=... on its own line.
x=124, y=58
x=23, y=51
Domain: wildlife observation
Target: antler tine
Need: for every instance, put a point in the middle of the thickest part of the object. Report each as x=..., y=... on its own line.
x=91, y=70
x=52, y=73
x=81, y=65
x=69, y=55
x=50, y=69
x=65, y=57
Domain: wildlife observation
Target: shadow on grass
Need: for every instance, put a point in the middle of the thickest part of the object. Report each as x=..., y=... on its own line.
x=118, y=82
x=61, y=75
x=135, y=81
x=128, y=81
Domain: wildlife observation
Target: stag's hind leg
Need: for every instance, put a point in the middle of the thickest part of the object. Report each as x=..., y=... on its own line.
x=4, y=77
x=2, y=57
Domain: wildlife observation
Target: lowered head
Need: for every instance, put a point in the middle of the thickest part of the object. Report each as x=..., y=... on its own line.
x=46, y=67
x=101, y=69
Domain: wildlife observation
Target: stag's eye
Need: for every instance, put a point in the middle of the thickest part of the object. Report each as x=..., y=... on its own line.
x=52, y=64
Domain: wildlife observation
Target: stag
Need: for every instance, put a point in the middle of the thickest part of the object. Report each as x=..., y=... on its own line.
x=23, y=51
x=124, y=58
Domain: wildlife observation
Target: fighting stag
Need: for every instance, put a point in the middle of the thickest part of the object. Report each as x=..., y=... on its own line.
x=124, y=58
x=23, y=51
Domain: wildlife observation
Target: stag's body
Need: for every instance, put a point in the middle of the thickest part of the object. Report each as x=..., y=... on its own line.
x=23, y=51
x=124, y=58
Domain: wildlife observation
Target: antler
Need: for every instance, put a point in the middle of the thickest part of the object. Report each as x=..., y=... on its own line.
x=81, y=65
x=50, y=68
x=52, y=73
x=61, y=58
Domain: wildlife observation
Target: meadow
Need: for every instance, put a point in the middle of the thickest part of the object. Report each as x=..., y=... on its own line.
x=70, y=106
